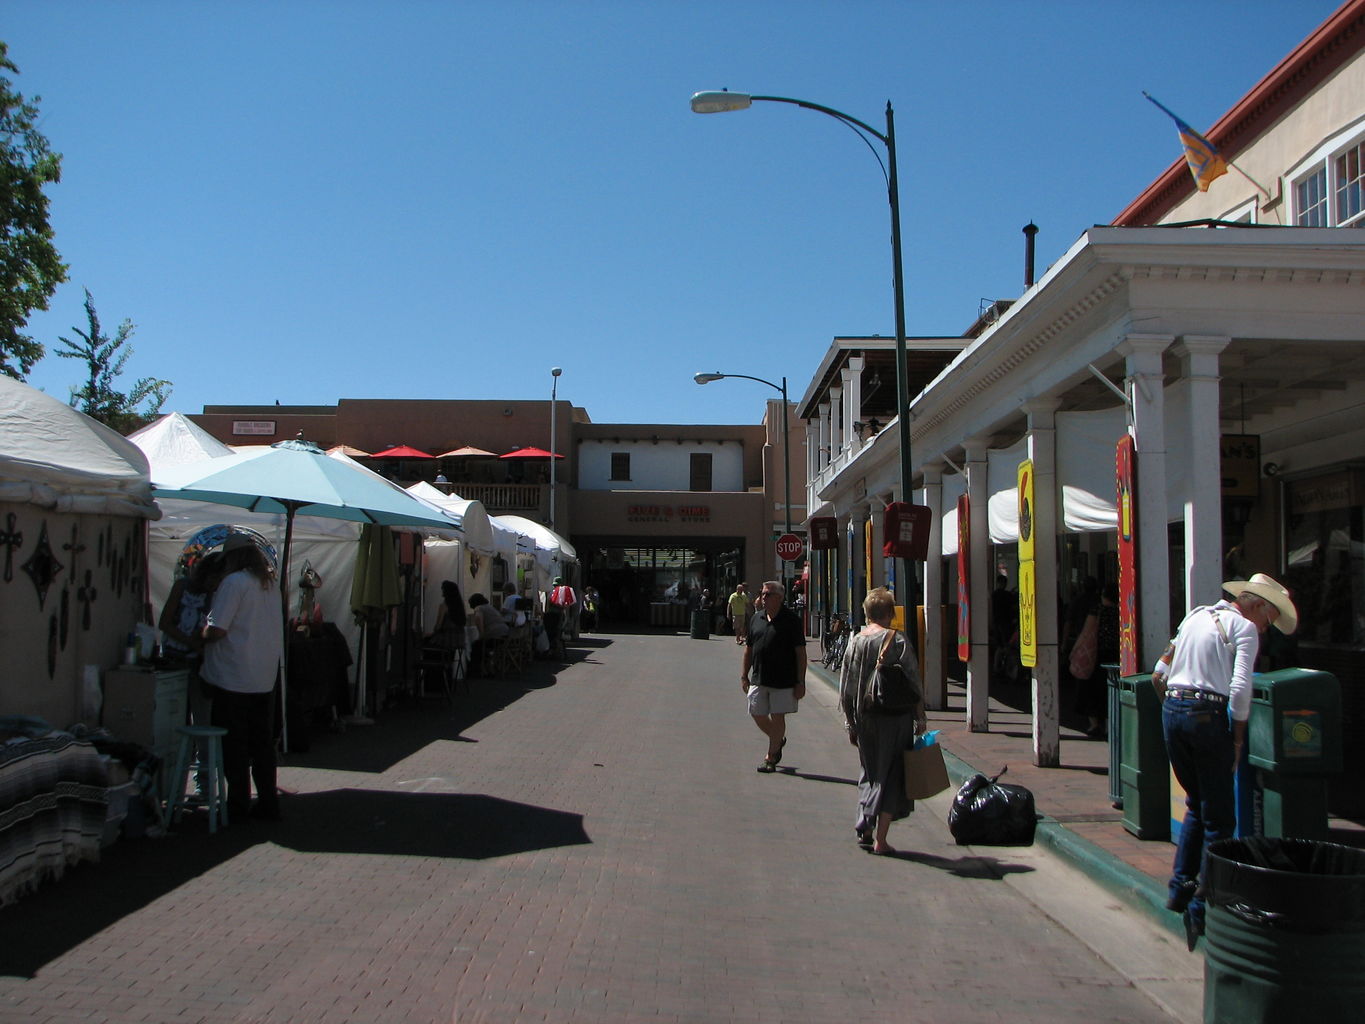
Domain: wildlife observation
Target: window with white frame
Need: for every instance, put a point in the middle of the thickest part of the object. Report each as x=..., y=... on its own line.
x=1328, y=188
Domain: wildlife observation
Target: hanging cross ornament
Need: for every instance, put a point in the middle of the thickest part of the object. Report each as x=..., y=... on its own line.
x=86, y=596
x=11, y=539
x=73, y=549
x=42, y=567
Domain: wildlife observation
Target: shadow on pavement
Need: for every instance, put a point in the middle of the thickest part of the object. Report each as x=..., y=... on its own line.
x=984, y=868
x=133, y=874
x=411, y=723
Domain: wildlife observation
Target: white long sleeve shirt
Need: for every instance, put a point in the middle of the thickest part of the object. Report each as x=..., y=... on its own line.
x=1205, y=660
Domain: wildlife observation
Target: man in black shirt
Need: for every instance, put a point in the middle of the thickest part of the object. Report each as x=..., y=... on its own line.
x=775, y=652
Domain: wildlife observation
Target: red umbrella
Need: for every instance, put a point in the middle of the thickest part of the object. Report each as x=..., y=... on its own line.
x=402, y=451
x=531, y=453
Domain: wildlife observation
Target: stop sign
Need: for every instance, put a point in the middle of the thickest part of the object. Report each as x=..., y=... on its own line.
x=790, y=547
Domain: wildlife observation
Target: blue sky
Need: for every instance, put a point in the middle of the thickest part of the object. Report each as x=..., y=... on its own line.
x=308, y=201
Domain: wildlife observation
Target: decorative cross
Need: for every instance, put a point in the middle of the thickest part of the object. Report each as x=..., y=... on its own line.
x=11, y=539
x=86, y=596
x=74, y=549
x=42, y=567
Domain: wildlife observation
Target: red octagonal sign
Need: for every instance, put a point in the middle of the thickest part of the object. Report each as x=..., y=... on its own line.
x=790, y=547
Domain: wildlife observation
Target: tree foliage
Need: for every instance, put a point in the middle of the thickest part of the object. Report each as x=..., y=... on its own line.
x=104, y=358
x=30, y=266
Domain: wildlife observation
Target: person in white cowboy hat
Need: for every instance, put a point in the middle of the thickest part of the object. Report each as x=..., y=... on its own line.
x=1204, y=681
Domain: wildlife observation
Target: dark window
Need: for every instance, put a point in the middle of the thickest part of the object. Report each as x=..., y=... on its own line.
x=620, y=465
x=701, y=471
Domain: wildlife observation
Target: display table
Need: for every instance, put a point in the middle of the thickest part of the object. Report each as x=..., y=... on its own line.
x=317, y=671
x=53, y=806
x=143, y=705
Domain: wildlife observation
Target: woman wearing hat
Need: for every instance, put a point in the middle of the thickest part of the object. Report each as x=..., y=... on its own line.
x=1204, y=681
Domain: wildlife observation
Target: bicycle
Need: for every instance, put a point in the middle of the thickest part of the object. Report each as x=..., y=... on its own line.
x=836, y=641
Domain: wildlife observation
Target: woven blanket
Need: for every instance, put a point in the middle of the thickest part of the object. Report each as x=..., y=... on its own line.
x=53, y=805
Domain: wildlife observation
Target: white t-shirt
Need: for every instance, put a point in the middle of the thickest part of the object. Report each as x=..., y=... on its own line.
x=1204, y=660
x=246, y=660
x=510, y=613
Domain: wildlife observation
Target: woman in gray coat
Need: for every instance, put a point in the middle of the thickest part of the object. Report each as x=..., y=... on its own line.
x=881, y=738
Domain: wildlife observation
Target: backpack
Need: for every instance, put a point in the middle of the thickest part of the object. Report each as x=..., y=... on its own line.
x=890, y=691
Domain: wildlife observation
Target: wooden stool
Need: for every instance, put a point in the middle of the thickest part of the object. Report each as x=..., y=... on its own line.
x=212, y=737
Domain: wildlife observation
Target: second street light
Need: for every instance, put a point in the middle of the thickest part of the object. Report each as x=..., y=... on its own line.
x=723, y=102
x=707, y=378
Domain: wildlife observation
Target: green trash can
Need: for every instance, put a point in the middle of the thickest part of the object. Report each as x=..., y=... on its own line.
x=701, y=625
x=1144, y=772
x=1294, y=737
x=1284, y=931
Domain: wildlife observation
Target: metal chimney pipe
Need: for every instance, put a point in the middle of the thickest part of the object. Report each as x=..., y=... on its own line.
x=1030, y=232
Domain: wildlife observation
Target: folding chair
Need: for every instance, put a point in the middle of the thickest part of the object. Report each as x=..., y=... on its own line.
x=448, y=666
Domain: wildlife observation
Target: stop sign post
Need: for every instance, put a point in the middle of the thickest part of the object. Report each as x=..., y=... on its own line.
x=790, y=547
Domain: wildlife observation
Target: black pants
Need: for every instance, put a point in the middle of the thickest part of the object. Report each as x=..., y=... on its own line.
x=248, y=748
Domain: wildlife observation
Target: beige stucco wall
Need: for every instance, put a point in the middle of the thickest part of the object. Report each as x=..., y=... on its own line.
x=1336, y=105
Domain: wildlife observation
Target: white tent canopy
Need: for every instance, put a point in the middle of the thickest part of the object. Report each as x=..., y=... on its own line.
x=55, y=457
x=175, y=440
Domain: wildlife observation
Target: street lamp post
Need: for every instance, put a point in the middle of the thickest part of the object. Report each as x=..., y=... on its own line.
x=707, y=378
x=724, y=101
x=554, y=390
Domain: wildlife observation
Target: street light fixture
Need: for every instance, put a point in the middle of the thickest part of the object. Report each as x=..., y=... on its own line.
x=554, y=390
x=707, y=378
x=725, y=101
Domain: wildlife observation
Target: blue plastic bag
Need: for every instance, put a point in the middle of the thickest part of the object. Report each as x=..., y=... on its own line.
x=925, y=739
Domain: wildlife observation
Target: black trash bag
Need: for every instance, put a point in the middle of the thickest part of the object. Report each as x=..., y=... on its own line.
x=987, y=812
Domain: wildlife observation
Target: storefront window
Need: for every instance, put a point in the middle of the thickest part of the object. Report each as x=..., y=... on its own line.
x=1326, y=556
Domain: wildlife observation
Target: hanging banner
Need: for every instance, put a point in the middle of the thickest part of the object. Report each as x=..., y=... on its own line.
x=964, y=576
x=1125, y=474
x=1028, y=597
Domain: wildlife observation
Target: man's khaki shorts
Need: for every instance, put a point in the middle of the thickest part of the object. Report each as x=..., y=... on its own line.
x=768, y=700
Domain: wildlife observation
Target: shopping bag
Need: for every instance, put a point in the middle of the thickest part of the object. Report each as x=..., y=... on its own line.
x=925, y=772
x=987, y=812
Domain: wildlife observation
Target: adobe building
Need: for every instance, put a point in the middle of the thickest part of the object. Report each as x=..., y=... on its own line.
x=654, y=511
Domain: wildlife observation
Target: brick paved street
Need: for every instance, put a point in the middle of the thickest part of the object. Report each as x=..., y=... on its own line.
x=586, y=844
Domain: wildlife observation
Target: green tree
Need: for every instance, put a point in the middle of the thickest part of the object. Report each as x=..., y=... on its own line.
x=30, y=266
x=104, y=358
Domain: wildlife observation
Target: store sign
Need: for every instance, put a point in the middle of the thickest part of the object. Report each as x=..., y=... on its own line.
x=668, y=513
x=253, y=427
x=1241, y=465
x=1028, y=595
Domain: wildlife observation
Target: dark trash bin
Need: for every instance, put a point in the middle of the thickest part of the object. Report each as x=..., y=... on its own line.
x=1284, y=931
x=701, y=625
x=1144, y=771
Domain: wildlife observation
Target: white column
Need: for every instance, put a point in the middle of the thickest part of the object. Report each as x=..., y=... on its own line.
x=857, y=554
x=935, y=682
x=1202, y=444
x=822, y=448
x=979, y=558
x=852, y=376
x=876, y=513
x=836, y=423
x=1144, y=385
x=1042, y=449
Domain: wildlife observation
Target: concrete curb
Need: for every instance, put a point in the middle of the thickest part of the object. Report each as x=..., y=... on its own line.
x=1140, y=892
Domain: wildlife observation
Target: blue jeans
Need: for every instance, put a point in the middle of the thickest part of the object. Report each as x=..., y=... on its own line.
x=1199, y=743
